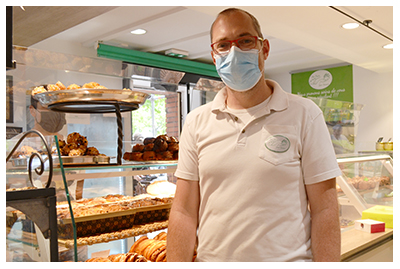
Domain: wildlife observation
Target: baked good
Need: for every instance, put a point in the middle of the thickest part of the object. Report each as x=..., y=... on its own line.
x=73, y=87
x=162, y=257
x=90, y=85
x=92, y=151
x=160, y=144
x=148, y=147
x=134, y=246
x=161, y=236
x=165, y=148
x=38, y=89
x=149, y=156
x=100, y=205
x=77, y=145
x=148, y=140
x=138, y=148
x=173, y=147
x=60, y=86
x=98, y=259
x=52, y=87
x=143, y=245
x=123, y=257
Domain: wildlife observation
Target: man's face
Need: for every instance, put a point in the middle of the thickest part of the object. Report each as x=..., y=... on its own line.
x=234, y=26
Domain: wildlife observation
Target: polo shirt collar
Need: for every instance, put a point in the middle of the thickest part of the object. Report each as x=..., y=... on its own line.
x=279, y=99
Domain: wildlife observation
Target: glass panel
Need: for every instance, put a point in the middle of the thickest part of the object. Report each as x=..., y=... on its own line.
x=369, y=182
x=21, y=240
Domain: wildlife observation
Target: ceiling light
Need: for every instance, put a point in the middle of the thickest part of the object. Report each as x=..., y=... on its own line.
x=350, y=25
x=138, y=32
x=177, y=53
x=388, y=46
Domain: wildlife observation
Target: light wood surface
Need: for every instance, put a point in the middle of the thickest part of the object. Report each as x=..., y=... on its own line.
x=354, y=241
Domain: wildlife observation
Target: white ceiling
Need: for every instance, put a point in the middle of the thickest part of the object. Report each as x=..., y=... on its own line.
x=301, y=37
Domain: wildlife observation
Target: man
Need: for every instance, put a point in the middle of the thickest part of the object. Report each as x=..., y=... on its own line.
x=250, y=163
x=47, y=122
x=340, y=142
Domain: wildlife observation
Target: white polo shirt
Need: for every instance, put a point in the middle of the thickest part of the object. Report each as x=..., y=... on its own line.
x=252, y=176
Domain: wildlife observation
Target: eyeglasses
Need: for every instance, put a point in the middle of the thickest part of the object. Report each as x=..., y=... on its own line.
x=244, y=43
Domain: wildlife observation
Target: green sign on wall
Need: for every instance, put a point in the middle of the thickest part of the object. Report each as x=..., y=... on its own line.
x=331, y=83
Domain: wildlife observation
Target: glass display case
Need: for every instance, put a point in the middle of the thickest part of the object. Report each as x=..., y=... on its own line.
x=36, y=229
x=58, y=183
x=366, y=181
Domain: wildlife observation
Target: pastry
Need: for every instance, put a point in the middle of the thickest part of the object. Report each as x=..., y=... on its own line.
x=149, y=156
x=73, y=87
x=60, y=86
x=161, y=236
x=52, y=87
x=148, y=140
x=38, y=89
x=138, y=148
x=134, y=246
x=90, y=85
x=173, y=147
x=143, y=245
x=92, y=151
x=160, y=144
x=148, y=147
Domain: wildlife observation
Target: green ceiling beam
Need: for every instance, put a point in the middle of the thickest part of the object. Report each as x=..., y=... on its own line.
x=156, y=60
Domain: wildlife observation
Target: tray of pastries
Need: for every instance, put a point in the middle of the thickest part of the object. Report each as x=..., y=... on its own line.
x=110, y=213
x=154, y=150
x=144, y=249
x=88, y=98
x=76, y=151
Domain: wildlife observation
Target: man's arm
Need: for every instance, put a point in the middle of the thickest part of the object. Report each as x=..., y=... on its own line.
x=325, y=225
x=182, y=224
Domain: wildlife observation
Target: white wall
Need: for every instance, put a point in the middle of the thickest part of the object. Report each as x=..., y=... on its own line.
x=375, y=92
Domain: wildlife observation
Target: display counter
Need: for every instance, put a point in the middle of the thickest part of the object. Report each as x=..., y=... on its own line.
x=366, y=182
x=360, y=246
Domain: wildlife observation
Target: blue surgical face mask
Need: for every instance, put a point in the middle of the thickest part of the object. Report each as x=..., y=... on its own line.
x=239, y=69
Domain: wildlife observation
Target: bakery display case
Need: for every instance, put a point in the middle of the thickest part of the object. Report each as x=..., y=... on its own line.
x=135, y=207
x=104, y=198
x=366, y=181
x=366, y=184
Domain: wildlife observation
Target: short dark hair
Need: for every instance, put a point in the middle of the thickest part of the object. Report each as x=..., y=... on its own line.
x=228, y=11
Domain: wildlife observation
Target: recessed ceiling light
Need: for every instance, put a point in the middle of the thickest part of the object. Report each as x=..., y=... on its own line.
x=138, y=32
x=350, y=25
x=388, y=46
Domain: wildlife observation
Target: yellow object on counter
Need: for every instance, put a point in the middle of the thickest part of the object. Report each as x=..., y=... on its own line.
x=388, y=146
x=380, y=213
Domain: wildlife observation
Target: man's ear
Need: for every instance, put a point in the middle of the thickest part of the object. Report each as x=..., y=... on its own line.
x=32, y=110
x=265, y=48
x=212, y=56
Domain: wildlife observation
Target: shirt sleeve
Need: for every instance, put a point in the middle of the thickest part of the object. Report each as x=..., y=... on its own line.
x=188, y=157
x=318, y=157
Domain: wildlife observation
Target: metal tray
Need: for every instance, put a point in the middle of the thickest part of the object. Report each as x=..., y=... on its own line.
x=81, y=160
x=20, y=162
x=67, y=160
x=91, y=100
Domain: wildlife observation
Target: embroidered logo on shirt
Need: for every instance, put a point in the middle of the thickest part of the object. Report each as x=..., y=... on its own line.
x=277, y=143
